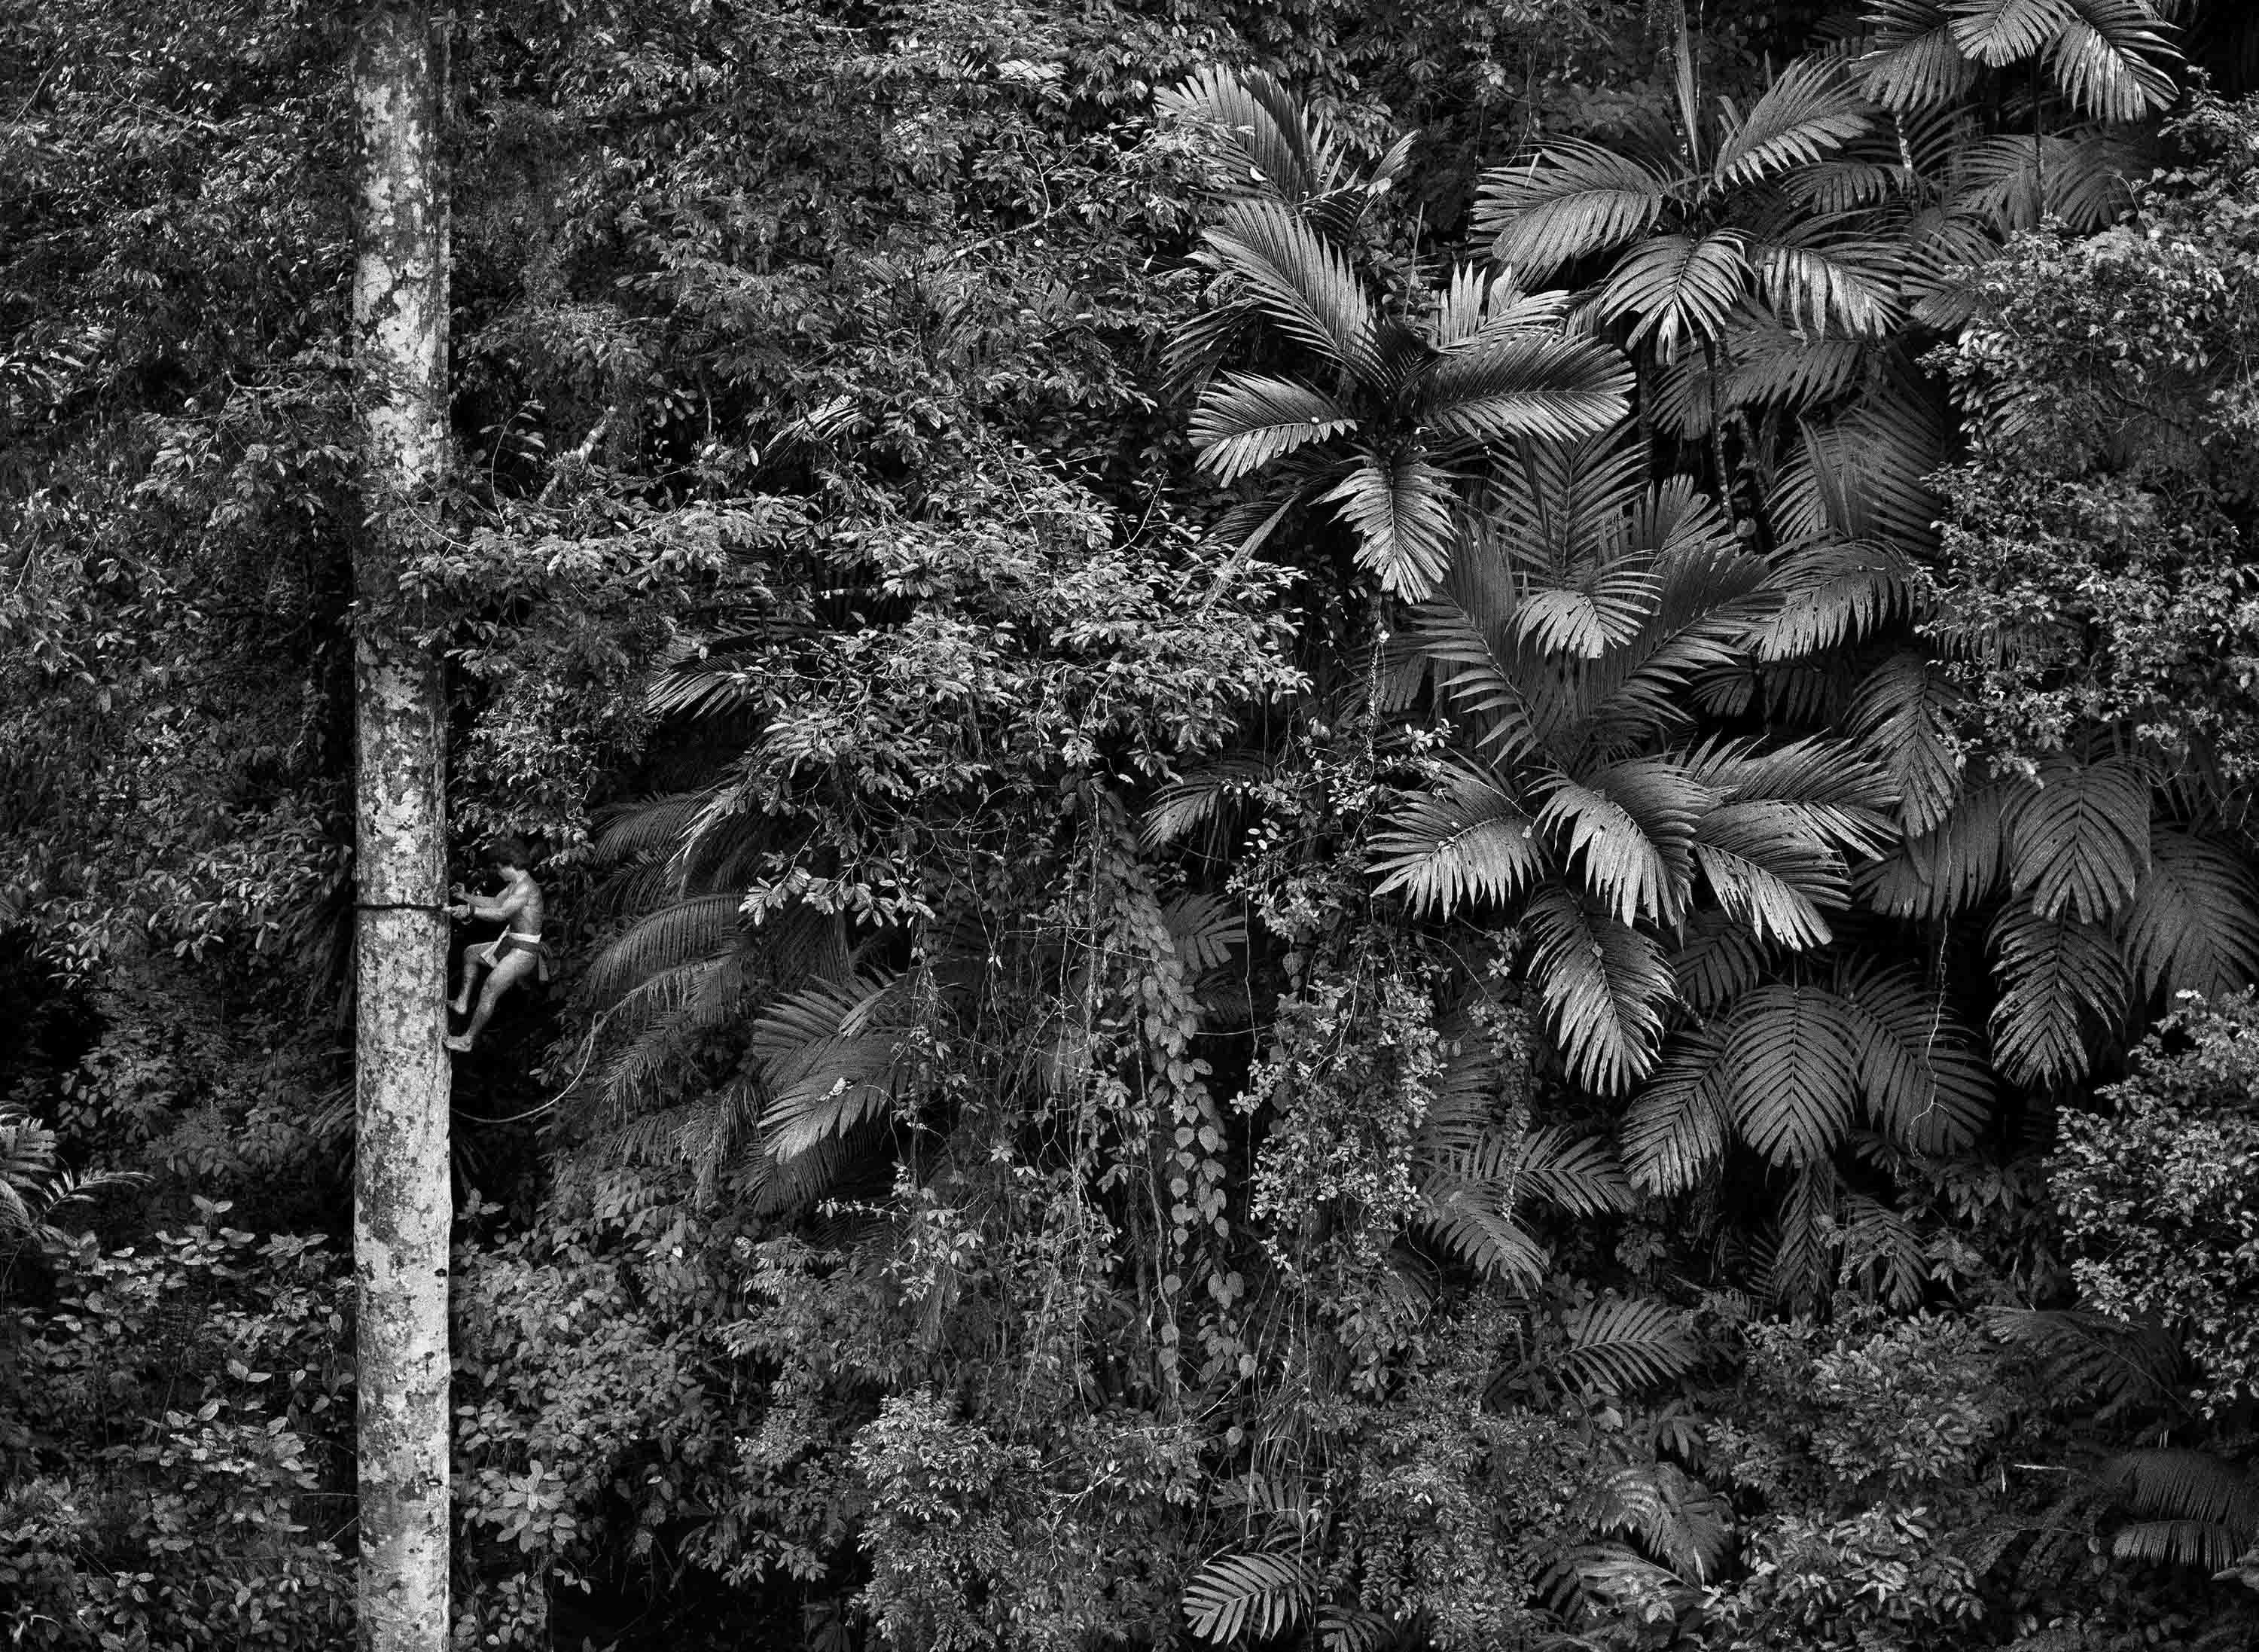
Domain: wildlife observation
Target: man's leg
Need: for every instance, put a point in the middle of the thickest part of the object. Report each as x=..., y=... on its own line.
x=475, y=964
x=514, y=968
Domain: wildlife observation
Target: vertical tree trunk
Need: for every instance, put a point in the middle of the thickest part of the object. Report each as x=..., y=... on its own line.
x=402, y=1200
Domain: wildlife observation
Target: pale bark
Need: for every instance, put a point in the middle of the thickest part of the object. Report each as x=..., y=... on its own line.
x=402, y=1197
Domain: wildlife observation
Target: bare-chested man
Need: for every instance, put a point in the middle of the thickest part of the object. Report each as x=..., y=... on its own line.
x=513, y=955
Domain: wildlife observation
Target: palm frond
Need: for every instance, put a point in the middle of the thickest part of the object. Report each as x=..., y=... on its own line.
x=1816, y=281
x=1525, y=383
x=1806, y=114
x=1912, y=61
x=828, y=1058
x=1678, y=290
x=2058, y=976
x=1997, y=32
x=1793, y=1055
x=1469, y=842
x=1604, y=986
x=1675, y=1130
x=1950, y=869
x=2079, y=841
x=1183, y=805
x=1716, y=963
x=1299, y=280
x=1581, y=1174
x=1630, y=827
x=1903, y=710
x=1618, y=1345
x=2112, y=61
x=2193, y=923
x=702, y=927
x=1245, y=420
x=2193, y=1508
x=1280, y=151
x=1467, y=1218
x=1255, y=1597
x=1567, y=201
x=1482, y=678
x=1400, y=507
x=1921, y=1075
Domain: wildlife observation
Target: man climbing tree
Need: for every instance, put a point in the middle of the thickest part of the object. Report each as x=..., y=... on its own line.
x=402, y=1206
x=511, y=955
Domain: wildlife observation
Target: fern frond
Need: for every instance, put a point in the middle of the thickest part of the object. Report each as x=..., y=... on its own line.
x=1682, y=1522
x=2094, y=1354
x=1205, y=931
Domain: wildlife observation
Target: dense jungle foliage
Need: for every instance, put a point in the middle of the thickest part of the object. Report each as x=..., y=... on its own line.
x=1376, y=827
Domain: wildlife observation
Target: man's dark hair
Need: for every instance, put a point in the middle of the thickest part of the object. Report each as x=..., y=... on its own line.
x=508, y=852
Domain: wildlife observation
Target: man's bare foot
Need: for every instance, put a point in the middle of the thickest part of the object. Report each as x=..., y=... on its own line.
x=454, y=1008
x=458, y=1043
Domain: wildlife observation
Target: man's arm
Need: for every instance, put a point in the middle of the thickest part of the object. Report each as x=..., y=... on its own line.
x=505, y=907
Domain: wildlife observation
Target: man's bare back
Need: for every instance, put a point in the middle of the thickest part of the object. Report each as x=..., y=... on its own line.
x=514, y=954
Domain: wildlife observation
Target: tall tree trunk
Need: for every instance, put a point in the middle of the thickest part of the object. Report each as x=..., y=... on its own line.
x=401, y=1199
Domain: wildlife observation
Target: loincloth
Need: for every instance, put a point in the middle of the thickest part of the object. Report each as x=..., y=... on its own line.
x=509, y=941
